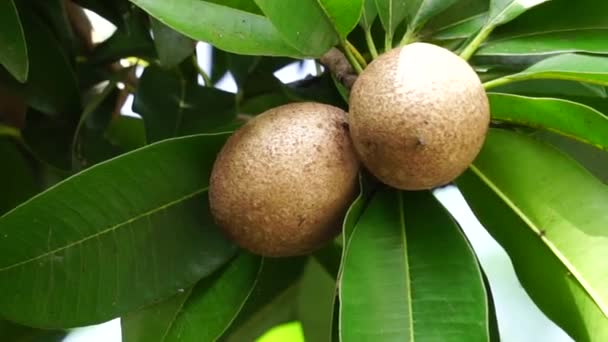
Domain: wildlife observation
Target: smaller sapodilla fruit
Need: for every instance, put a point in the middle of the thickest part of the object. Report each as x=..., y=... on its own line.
x=418, y=116
x=282, y=183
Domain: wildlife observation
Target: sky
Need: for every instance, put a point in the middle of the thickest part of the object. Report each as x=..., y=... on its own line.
x=519, y=319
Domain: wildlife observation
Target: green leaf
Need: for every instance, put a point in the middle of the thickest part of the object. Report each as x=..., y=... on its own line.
x=172, y=47
x=462, y=29
x=550, y=216
x=294, y=20
x=131, y=40
x=391, y=13
x=243, y=5
x=317, y=290
x=98, y=244
x=272, y=301
x=584, y=40
x=420, y=11
x=54, y=14
x=560, y=116
x=88, y=145
x=127, y=132
x=214, y=302
x=368, y=15
x=17, y=333
x=13, y=55
x=572, y=67
x=593, y=159
x=344, y=14
x=17, y=178
x=580, y=28
x=173, y=106
x=227, y=28
x=503, y=11
x=408, y=272
x=589, y=94
x=40, y=129
x=461, y=12
x=51, y=86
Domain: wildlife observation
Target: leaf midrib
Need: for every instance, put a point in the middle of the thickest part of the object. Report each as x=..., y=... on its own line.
x=106, y=230
x=408, y=280
x=538, y=232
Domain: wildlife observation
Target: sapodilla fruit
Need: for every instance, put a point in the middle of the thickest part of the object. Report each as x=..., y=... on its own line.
x=418, y=116
x=282, y=183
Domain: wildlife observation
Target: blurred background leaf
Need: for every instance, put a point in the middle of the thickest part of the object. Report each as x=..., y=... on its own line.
x=13, y=55
x=172, y=105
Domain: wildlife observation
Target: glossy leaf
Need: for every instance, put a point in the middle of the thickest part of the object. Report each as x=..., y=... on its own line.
x=408, y=272
x=317, y=290
x=462, y=11
x=294, y=20
x=214, y=302
x=344, y=14
x=243, y=5
x=589, y=94
x=584, y=40
x=462, y=29
x=368, y=14
x=172, y=47
x=420, y=11
x=272, y=301
x=13, y=55
x=101, y=243
x=579, y=28
x=391, y=13
x=503, y=11
x=227, y=28
x=560, y=116
x=593, y=159
x=573, y=67
x=173, y=106
x=550, y=216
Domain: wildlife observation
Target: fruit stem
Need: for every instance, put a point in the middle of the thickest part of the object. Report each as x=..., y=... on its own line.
x=388, y=42
x=470, y=49
x=352, y=59
x=497, y=82
x=408, y=37
x=370, y=43
x=356, y=53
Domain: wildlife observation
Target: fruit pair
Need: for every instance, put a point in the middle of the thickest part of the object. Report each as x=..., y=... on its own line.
x=282, y=183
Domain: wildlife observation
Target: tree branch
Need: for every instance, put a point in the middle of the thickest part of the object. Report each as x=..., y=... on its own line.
x=335, y=61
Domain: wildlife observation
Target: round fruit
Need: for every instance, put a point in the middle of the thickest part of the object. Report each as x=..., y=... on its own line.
x=282, y=183
x=418, y=116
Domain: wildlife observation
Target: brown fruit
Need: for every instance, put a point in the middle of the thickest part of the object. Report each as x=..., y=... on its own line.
x=418, y=116
x=282, y=183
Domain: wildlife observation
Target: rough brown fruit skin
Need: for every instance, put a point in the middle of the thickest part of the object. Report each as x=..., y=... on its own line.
x=282, y=183
x=418, y=116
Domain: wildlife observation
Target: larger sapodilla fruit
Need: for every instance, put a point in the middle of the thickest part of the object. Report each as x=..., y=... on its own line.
x=418, y=116
x=282, y=183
